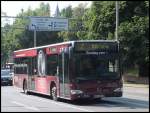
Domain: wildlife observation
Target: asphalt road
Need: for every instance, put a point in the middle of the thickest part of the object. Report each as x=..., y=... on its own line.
x=134, y=99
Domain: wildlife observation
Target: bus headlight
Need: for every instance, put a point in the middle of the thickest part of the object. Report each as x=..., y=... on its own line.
x=76, y=92
x=118, y=90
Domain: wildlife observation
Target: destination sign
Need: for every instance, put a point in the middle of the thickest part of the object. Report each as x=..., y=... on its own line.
x=94, y=46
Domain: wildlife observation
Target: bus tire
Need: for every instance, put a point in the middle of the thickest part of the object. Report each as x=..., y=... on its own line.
x=54, y=93
x=25, y=90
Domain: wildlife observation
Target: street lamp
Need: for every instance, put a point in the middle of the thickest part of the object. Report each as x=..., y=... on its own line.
x=34, y=35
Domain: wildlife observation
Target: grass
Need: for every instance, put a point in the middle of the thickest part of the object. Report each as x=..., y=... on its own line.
x=132, y=72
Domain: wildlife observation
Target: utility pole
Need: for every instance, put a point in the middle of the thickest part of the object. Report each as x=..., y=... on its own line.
x=117, y=19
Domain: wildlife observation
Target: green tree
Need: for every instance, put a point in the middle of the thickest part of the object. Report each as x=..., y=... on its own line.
x=65, y=35
x=26, y=36
x=16, y=38
x=66, y=12
x=134, y=35
x=133, y=29
x=134, y=40
x=75, y=22
x=102, y=19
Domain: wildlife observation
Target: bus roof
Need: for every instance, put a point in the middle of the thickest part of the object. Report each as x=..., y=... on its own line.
x=68, y=42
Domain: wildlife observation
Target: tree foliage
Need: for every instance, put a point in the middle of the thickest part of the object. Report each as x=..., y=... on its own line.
x=17, y=36
x=75, y=22
x=134, y=36
x=66, y=12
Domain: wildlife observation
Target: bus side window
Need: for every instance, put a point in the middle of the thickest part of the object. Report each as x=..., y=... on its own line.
x=52, y=63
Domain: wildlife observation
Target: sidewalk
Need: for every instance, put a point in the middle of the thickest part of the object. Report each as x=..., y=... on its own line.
x=135, y=85
x=136, y=80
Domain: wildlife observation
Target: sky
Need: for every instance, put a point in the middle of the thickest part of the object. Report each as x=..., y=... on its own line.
x=12, y=8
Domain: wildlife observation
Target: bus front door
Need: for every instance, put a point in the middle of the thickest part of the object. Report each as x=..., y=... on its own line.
x=31, y=77
x=64, y=75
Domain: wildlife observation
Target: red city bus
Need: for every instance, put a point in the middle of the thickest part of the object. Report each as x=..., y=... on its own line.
x=70, y=70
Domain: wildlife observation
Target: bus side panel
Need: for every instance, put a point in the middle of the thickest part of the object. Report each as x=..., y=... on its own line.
x=42, y=84
x=18, y=80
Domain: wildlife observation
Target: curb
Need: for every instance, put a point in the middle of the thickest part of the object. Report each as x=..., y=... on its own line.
x=136, y=85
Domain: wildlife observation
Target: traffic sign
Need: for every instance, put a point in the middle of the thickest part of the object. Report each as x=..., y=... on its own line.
x=48, y=24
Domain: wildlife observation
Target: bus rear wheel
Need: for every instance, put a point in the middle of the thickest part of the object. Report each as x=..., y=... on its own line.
x=54, y=93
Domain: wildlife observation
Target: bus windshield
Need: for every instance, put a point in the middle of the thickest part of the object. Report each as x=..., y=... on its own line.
x=96, y=67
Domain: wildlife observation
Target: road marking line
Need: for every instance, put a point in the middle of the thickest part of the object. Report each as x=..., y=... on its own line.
x=67, y=105
x=28, y=107
x=58, y=103
x=64, y=104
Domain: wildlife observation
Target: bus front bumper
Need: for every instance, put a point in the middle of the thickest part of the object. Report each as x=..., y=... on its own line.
x=106, y=93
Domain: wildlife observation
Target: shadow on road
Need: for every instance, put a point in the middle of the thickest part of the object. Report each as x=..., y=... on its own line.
x=115, y=102
x=105, y=102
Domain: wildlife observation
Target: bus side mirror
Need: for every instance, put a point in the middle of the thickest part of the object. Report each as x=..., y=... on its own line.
x=66, y=50
x=70, y=52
